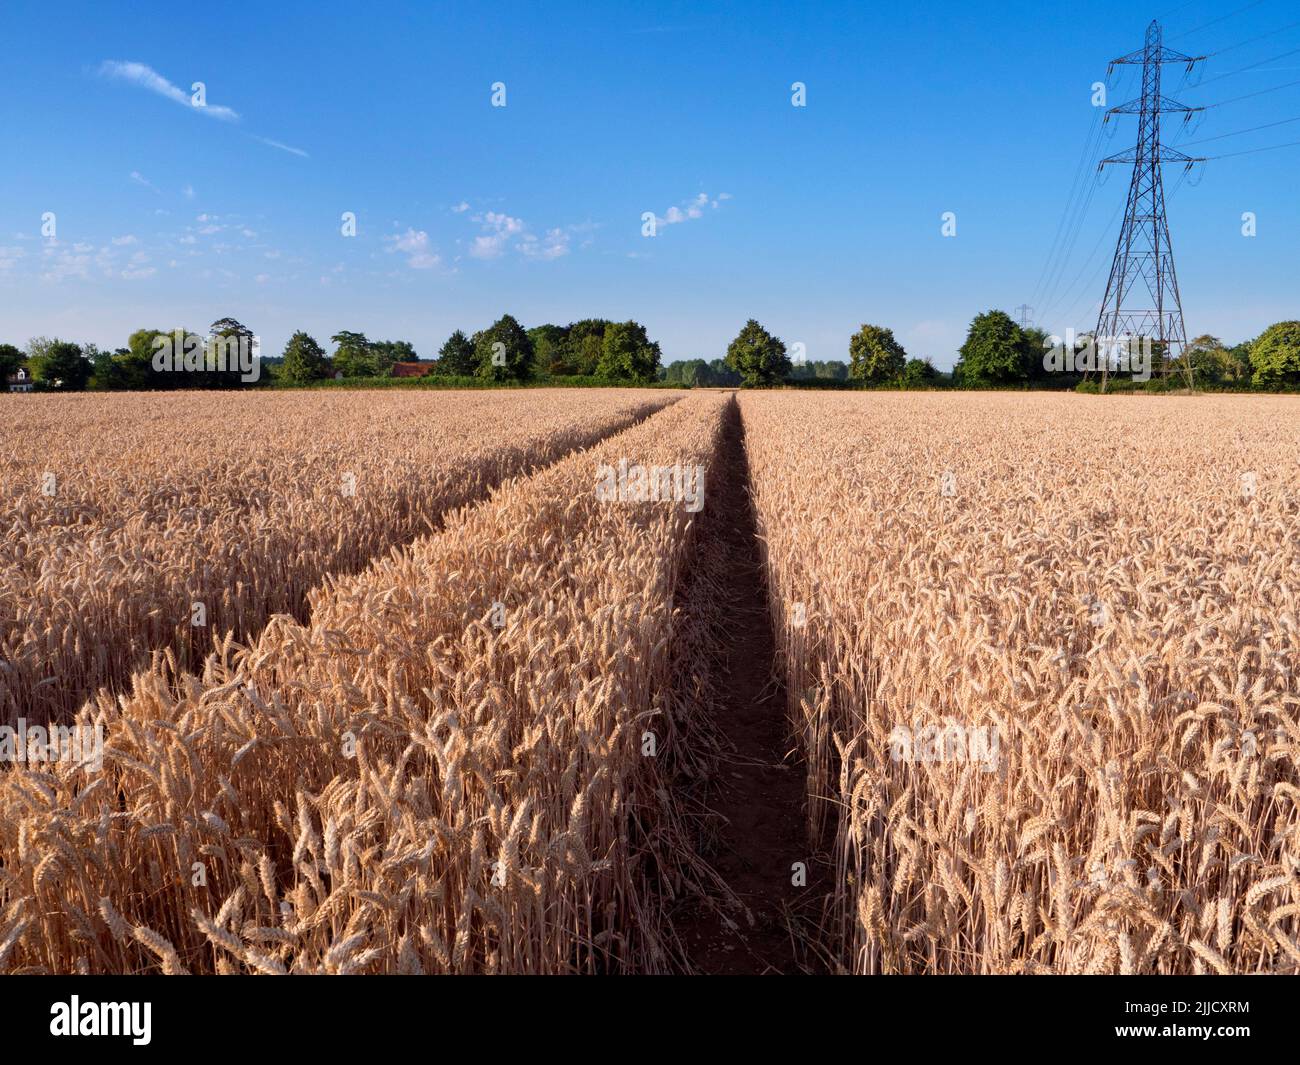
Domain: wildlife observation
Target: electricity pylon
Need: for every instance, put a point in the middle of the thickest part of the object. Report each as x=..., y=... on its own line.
x=1144, y=256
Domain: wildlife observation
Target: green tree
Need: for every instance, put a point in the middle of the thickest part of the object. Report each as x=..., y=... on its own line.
x=1211, y=362
x=10, y=359
x=627, y=353
x=586, y=344
x=62, y=366
x=304, y=360
x=353, y=356
x=1033, y=347
x=994, y=351
x=456, y=356
x=1275, y=356
x=229, y=329
x=551, y=349
x=1239, y=361
x=919, y=373
x=757, y=356
x=503, y=351
x=875, y=356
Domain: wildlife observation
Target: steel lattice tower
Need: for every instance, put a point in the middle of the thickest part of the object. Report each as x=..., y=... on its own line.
x=1142, y=294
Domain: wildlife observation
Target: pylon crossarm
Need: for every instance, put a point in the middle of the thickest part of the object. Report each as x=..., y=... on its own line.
x=1134, y=107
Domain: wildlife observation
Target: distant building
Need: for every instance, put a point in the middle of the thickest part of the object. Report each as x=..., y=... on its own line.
x=411, y=369
x=19, y=382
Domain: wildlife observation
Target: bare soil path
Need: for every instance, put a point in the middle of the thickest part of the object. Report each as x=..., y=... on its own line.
x=758, y=791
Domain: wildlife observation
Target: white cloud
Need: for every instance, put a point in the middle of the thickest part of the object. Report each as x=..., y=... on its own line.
x=128, y=239
x=140, y=179
x=690, y=209
x=188, y=192
x=145, y=77
x=138, y=274
x=499, y=228
x=414, y=244
x=461, y=207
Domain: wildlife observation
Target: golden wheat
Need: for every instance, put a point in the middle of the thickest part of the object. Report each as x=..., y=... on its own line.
x=1042, y=656
x=122, y=512
x=441, y=772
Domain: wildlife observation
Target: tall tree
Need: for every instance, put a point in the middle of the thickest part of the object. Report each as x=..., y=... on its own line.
x=994, y=351
x=757, y=356
x=353, y=356
x=10, y=359
x=875, y=356
x=1211, y=362
x=244, y=348
x=503, y=351
x=627, y=353
x=1275, y=356
x=62, y=366
x=456, y=356
x=304, y=360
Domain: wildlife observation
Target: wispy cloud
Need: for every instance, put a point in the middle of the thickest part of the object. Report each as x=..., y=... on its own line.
x=283, y=147
x=140, y=179
x=145, y=77
x=690, y=209
x=550, y=246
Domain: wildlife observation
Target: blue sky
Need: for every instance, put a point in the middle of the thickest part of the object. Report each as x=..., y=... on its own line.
x=811, y=219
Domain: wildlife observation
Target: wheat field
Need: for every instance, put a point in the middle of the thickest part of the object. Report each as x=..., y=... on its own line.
x=121, y=515
x=1039, y=659
x=401, y=785
x=1042, y=658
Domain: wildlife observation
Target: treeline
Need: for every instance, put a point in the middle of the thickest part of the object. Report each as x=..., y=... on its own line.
x=504, y=351
x=997, y=353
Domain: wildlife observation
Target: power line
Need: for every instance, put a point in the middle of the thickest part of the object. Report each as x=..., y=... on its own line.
x=1249, y=95
x=1252, y=151
x=1252, y=40
x=1252, y=129
x=1215, y=22
x=1075, y=209
x=1069, y=203
x=1242, y=70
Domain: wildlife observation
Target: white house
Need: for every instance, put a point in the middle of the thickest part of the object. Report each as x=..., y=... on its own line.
x=20, y=381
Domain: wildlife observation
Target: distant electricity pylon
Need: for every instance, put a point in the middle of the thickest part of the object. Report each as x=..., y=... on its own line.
x=1026, y=313
x=1144, y=256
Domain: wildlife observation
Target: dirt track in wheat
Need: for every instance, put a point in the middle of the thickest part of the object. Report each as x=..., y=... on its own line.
x=1035, y=672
